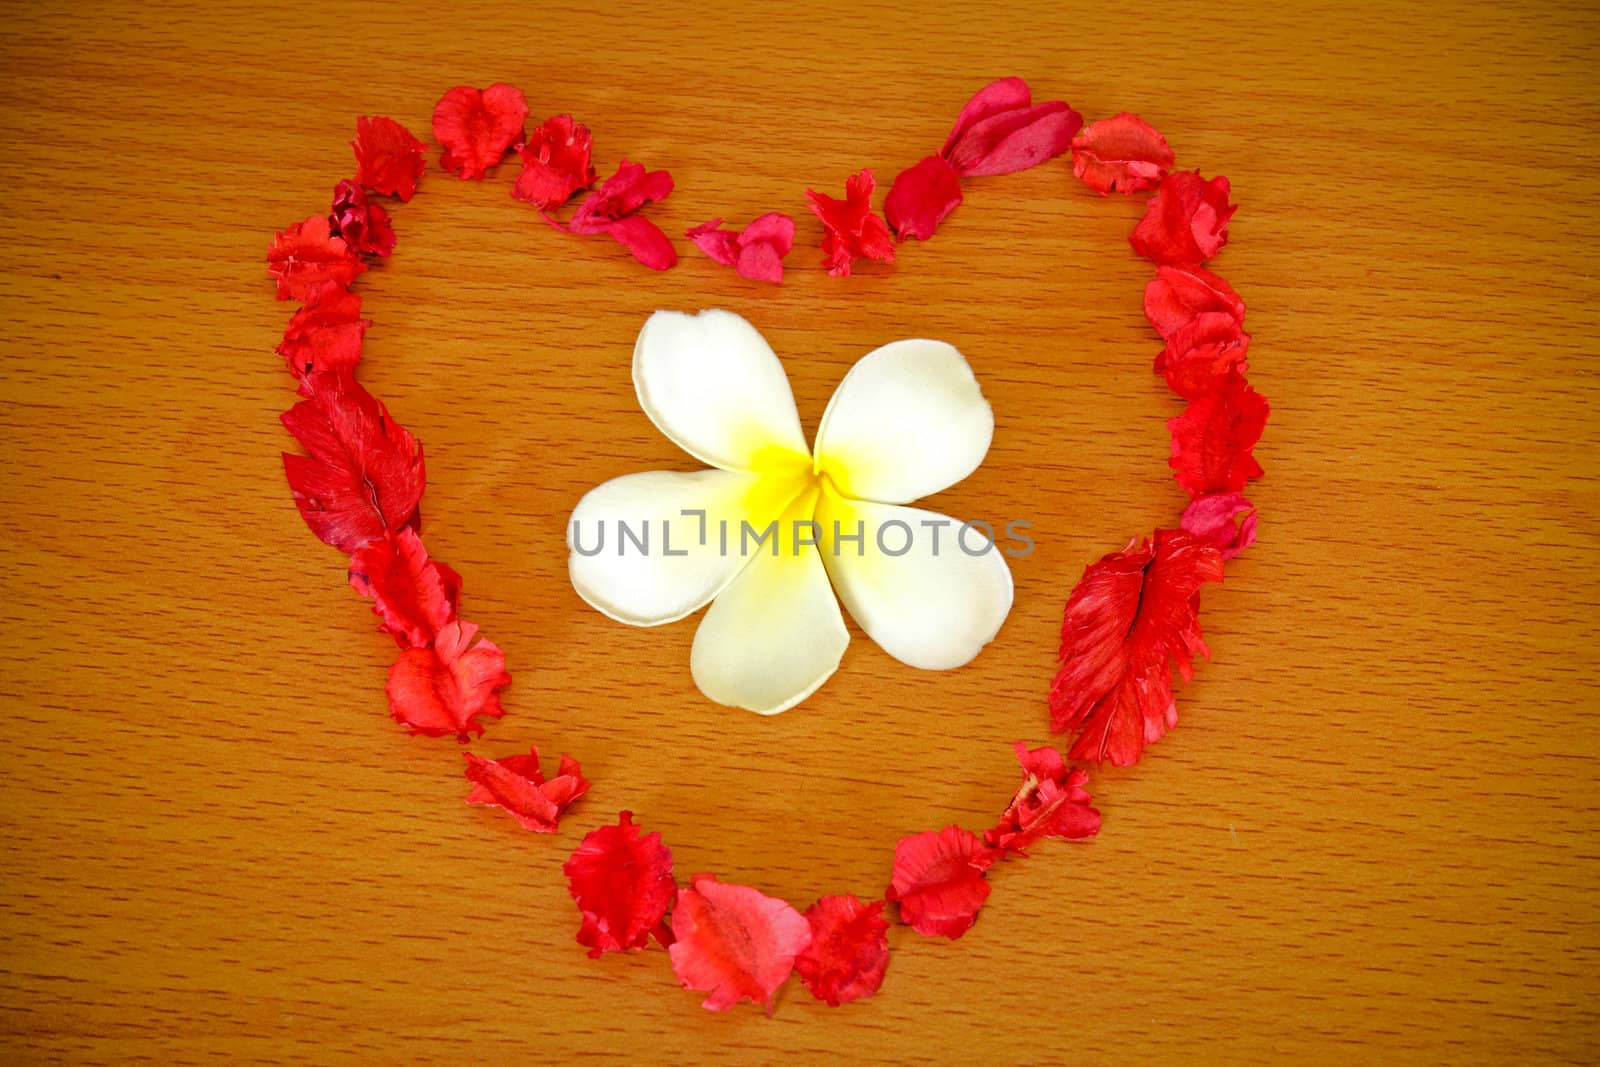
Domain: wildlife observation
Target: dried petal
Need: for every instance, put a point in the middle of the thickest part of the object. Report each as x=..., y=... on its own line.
x=626, y=191
x=364, y=475
x=516, y=784
x=1212, y=441
x=1121, y=154
x=362, y=225
x=477, y=126
x=413, y=595
x=850, y=229
x=849, y=949
x=1051, y=802
x=734, y=942
x=756, y=252
x=998, y=132
x=610, y=210
x=555, y=163
x=1178, y=295
x=938, y=880
x=623, y=886
x=1186, y=222
x=326, y=334
x=646, y=241
x=1131, y=617
x=921, y=197
x=1200, y=355
x=441, y=690
x=308, y=256
x=1211, y=519
x=999, y=97
x=389, y=160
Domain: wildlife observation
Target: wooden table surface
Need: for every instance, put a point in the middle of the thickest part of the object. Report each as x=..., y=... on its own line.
x=1373, y=832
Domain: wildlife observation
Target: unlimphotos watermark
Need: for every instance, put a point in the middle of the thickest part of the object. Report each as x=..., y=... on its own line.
x=894, y=538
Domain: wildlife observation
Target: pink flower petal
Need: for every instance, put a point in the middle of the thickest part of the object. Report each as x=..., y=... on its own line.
x=1211, y=519
x=734, y=942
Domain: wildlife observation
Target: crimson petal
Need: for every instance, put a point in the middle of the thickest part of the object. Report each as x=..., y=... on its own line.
x=622, y=884
x=849, y=949
x=1130, y=619
x=477, y=126
x=516, y=784
x=364, y=475
x=938, y=880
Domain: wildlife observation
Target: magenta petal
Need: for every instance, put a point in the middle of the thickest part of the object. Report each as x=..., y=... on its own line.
x=1007, y=143
x=721, y=245
x=645, y=240
x=760, y=262
x=1211, y=518
x=774, y=228
x=756, y=252
x=921, y=198
x=1007, y=94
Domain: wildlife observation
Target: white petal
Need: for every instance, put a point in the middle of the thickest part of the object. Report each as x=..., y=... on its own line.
x=711, y=383
x=907, y=421
x=936, y=605
x=774, y=635
x=673, y=573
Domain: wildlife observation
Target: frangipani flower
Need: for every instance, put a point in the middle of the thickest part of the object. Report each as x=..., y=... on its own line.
x=769, y=534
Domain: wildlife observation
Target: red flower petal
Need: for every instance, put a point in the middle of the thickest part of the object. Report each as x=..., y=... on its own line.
x=477, y=126
x=849, y=949
x=1200, y=355
x=734, y=942
x=850, y=229
x=1213, y=438
x=623, y=886
x=645, y=240
x=361, y=224
x=308, y=256
x=997, y=98
x=998, y=132
x=938, y=880
x=389, y=160
x=440, y=690
x=364, y=475
x=516, y=784
x=609, y=209
x=1178, y=295
x=756, y=252
x=1186, y=222
x=1130, y=618
x=1211, y=519
x=1051, y=802
x=717, y=243
x=326, y=334
x=555, y=163
x=413, y=595
x=921, y=197
x=626, y=191
x=1121, y=154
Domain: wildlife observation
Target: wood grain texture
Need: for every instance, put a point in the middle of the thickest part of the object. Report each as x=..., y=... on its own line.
x=1372, y=834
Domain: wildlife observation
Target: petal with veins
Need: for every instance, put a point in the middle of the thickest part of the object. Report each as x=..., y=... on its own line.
x=647, y=548
x=776, y=633
x=907, y=421
x=711, y=383
x=935, y=605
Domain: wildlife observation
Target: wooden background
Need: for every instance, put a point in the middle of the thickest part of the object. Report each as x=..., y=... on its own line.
x=1373, y=832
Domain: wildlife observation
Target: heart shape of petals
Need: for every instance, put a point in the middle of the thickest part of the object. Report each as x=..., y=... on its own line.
x=775, y=529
